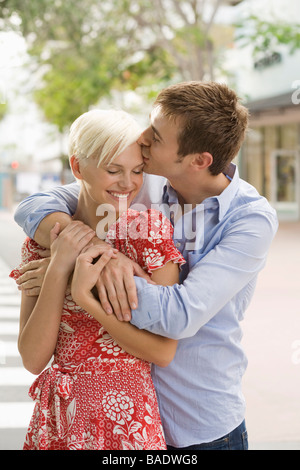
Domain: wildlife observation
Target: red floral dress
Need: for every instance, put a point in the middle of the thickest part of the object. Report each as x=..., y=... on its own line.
x=95, y=396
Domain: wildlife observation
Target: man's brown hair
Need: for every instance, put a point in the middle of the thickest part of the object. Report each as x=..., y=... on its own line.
x=211, y=119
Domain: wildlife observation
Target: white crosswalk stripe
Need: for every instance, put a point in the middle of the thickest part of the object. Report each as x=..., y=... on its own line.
x=15, y=414
x=15, y=405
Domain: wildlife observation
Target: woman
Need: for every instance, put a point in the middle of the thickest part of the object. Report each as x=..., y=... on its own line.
x=98, y=392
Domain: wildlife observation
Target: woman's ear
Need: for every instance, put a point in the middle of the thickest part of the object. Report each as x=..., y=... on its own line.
x=75, y=167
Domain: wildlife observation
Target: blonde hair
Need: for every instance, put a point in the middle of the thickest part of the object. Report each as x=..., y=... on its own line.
x=103, y=134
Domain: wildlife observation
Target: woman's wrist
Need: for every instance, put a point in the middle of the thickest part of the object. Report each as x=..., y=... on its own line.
x=60, y=268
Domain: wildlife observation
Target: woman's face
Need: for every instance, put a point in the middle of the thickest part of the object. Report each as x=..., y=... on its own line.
x=116, y=183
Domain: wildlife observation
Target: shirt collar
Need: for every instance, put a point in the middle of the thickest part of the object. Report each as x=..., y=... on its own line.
x=225, y=198
x=222, y=201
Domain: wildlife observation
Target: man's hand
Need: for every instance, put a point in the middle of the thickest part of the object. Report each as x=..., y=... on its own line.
x=33, y=274
x=116, y=286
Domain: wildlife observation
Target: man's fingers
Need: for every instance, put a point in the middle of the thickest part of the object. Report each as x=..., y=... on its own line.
x=30, y=284
x=103, y=298
x=109, y=299
x=114, y=301
x=32, y=265
x=35, y=291
x=130, y=288
x=27, y=276
x=117, y=295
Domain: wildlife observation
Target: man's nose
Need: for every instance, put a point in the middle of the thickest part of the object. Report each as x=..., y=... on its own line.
x=144, y=138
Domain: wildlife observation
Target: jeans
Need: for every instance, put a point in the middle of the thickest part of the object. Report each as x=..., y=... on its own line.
x=235, y=440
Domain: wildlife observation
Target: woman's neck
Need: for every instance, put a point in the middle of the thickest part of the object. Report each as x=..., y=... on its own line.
x=86, y=212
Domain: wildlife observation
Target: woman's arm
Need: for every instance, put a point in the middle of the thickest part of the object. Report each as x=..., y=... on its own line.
x=40, y=317
x=139, y=343
x=40, y=320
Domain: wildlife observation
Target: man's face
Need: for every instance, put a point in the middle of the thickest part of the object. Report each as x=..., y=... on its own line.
x=159, y=146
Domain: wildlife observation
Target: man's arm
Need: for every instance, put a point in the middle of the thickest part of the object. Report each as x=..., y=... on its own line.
x=181, y=310
x=37, y=215
x=42, y=233
x=35, y=208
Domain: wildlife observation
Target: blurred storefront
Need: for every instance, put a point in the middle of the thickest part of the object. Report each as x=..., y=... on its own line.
x=270, y=158
x=21, y=179
x=270, y=85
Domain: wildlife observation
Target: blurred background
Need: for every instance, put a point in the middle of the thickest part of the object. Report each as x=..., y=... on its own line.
x=59, y=59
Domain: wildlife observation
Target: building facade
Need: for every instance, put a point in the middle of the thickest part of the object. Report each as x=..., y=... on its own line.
x=270, y=157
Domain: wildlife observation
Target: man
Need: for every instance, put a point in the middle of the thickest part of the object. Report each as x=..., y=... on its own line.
x=224, y=229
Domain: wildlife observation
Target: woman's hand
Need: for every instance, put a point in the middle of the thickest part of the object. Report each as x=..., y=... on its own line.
x=87, y=271
x=68, y=244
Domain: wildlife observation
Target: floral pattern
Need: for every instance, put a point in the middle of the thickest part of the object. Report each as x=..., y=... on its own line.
x=146, y=238
x=95, y=396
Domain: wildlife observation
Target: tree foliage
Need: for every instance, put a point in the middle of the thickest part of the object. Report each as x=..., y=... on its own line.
x=3, y=109
x=266, y=36
x=87, y=47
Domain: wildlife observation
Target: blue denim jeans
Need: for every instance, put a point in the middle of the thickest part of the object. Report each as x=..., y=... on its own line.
x=235, y=440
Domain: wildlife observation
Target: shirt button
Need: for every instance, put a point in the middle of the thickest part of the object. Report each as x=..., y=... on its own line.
x=178, y=244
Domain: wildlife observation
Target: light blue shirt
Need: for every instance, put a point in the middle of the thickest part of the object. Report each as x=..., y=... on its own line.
x=200, y=392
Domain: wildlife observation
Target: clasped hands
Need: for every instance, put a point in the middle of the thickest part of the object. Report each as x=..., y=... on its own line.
x=112, y=275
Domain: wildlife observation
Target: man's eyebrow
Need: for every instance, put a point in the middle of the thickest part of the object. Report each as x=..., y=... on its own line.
x=156, y=132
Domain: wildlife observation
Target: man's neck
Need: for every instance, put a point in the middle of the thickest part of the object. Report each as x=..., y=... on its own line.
x=195, y=192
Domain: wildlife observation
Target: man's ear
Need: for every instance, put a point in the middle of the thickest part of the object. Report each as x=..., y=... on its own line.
x=75, y=167
x=202, y=161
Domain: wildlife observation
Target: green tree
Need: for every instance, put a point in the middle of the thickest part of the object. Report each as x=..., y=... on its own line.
x=86, y=48
x=3, y=109
x=266, y=36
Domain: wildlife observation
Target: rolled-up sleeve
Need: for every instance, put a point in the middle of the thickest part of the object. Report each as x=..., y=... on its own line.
x=34, y=208
x=212, y=284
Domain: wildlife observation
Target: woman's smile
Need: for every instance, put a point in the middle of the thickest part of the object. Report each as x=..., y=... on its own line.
x=119, y=195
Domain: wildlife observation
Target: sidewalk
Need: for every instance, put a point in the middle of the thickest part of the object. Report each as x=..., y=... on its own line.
x=272, y=340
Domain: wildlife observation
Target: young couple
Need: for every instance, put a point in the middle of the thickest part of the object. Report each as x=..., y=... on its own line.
x=185, y=320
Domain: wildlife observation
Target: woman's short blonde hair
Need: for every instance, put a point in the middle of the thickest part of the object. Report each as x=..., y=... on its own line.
x=103, y=134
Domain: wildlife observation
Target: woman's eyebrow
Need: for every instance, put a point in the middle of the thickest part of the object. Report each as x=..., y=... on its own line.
x=121, y=166
x=114, y=164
